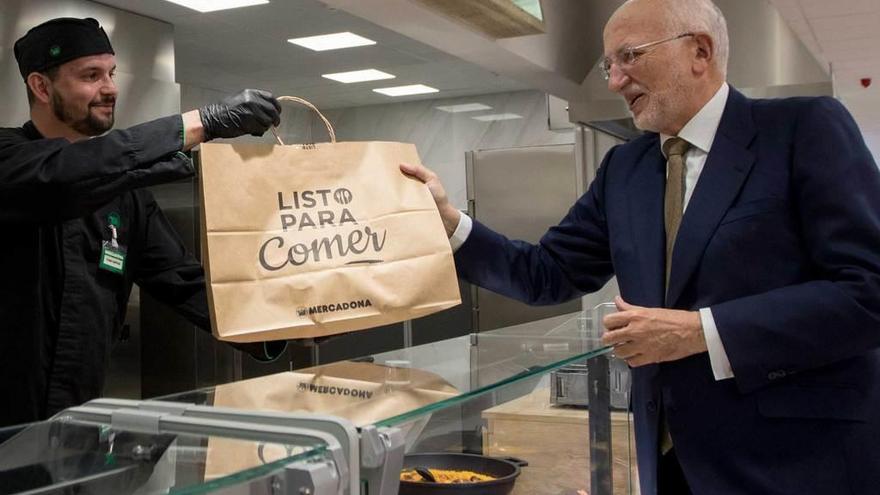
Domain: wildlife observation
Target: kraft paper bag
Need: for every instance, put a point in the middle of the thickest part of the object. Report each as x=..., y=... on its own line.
x=363, y=393
x=315, y=240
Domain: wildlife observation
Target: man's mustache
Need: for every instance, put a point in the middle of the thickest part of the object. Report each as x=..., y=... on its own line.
x=104, y=102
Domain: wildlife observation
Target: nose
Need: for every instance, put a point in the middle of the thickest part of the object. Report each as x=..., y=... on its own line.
x=109, y=87
x=617, y=80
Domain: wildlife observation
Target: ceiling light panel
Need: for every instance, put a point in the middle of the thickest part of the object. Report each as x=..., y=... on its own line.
x=359, y=76
x=413, y=89
x=464, y=107
x=333, y=41
x=497, y=116
x=214, y=5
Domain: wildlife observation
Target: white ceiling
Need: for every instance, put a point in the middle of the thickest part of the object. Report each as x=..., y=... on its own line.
x=232, y=49
x=247, y=47
x=846, y=34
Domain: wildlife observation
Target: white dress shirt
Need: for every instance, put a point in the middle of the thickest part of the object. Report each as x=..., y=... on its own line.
x=700, y=133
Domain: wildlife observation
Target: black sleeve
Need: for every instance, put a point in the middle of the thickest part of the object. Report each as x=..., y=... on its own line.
x=54, y=179
x=174, y=277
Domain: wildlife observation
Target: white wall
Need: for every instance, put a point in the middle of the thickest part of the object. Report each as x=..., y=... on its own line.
x=442, y=138
x=144, y=56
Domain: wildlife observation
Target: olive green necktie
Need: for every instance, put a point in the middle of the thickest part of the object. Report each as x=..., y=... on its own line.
x=674, y=149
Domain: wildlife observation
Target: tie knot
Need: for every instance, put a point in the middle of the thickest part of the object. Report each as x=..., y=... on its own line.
x=675, y=146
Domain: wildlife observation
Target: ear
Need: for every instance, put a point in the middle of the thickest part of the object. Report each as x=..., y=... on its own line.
x=705, y=53
x=39, y=85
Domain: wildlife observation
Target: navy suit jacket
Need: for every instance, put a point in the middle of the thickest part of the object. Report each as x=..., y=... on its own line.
x=781, y=239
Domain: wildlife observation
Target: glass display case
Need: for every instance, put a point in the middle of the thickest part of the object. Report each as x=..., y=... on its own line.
x=504, y=403
x=87, y=452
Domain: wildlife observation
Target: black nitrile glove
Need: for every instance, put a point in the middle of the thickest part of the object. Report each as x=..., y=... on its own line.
x=250, y=112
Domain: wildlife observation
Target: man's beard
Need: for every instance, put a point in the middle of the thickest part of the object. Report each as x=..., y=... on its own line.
x=90, y=125
x=661, y=108
x=650, y=118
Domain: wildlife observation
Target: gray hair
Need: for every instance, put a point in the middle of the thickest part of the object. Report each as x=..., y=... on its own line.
x=701, y=16
x=697, y=16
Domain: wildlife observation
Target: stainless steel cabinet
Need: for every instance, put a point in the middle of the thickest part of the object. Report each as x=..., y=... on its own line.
x=519, y=192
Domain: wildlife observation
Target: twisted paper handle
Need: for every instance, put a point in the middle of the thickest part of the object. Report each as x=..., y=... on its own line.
x=313, y=107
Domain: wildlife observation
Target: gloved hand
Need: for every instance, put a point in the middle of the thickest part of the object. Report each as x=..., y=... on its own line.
x=250, y=112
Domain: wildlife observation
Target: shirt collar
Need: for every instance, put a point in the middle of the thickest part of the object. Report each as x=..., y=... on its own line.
x=701, y=129
x=31, y=131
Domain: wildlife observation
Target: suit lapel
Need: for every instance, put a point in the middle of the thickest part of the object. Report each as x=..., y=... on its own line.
x=727, y=166
x=645, y=189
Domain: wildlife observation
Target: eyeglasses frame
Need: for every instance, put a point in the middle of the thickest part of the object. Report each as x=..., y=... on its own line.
x=632, y=55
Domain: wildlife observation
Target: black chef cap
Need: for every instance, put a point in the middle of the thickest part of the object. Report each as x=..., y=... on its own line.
x=61, y=40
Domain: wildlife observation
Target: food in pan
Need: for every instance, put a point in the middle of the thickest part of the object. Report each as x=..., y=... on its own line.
x=446, y=476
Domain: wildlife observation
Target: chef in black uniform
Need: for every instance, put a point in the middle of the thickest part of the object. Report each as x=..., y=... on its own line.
x=78, y=229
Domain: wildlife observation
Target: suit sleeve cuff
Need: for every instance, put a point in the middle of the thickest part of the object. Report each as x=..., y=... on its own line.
x=465, y=225
x=717, y=355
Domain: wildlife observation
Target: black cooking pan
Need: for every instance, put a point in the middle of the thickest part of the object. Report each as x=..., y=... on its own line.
x=504, y=471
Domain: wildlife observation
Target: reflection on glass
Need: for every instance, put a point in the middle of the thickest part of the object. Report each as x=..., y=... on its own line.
x=397, y=387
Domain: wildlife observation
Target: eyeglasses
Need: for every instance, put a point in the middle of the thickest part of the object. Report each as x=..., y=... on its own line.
x=627, y=57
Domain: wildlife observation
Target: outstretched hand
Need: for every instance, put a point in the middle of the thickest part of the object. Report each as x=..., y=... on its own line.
x=251, y=111
x=448, y=213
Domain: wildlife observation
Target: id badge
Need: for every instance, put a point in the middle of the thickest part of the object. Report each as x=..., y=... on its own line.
x=112, y=257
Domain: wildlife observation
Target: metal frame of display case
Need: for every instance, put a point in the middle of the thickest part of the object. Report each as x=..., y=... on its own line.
x=372, y=454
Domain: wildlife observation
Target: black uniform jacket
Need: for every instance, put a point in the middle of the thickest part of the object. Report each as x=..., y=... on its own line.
x=59, y=311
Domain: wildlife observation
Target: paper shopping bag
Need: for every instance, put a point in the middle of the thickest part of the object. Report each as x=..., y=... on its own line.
x=307, y=241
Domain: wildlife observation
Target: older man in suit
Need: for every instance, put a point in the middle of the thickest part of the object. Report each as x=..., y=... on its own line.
x=745, y=237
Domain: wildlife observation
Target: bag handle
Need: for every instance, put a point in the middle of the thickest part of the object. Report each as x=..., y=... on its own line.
x=296, y=99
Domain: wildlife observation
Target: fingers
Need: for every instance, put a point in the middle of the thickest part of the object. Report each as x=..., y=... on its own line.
x=420, y=172
x=258, y=123
x=616, y=337
x=626, y=350
x=625, y=315
x=274, y=101
x=259, y=93
x=623, y=305
x=263, y=117
x=269, y=105
x=615, y=321
x=638, y=360
x=407, y=169
x=275, y=109
x=267, y=116
x=631, y=354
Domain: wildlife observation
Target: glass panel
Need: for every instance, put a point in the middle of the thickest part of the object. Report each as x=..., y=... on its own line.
x=392, y=388
x=72, y=456
x=518, y=422
x=501, y=358
x=517, y=392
